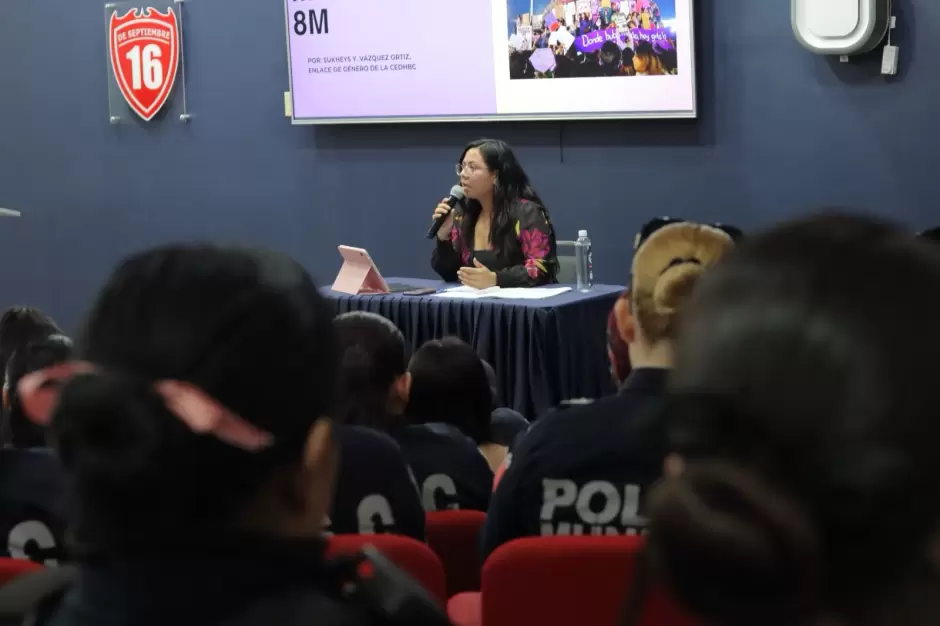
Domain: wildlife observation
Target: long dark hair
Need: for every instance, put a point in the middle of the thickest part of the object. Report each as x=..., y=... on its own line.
x=512, y=184
x=373, y=357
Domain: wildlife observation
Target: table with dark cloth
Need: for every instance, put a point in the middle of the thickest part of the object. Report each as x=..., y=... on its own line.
x=543, y=351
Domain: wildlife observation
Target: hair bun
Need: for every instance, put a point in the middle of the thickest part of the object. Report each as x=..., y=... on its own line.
x=732, y=548
x=674, y=286
x=106, y=428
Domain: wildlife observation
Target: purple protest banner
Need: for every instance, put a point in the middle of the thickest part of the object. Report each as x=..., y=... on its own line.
x=591, y=42
x=659, y=37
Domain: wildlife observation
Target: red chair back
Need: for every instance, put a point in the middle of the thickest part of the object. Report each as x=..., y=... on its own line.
x=13, y=568
x=455, y=537
x=559, y=581
x=413, y=557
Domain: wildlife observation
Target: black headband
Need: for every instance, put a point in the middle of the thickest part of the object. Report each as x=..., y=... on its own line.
x=656, y=223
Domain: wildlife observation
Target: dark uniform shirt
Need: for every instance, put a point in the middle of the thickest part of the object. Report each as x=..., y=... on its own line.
x=375, y=491
x=583, y=471
x=450, y=470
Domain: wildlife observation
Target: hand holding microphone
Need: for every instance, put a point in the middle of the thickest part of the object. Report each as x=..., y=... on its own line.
x=444, y=215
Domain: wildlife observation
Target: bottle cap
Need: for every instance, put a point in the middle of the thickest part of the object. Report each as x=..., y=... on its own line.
x=582, y=233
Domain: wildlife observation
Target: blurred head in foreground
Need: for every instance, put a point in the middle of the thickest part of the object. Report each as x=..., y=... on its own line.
x=199, y=406
x=805, y=484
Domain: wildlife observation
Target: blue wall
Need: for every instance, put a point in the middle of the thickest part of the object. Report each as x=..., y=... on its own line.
x=780, y=131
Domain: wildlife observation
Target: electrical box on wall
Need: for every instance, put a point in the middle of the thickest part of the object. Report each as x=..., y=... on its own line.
x=840, y=27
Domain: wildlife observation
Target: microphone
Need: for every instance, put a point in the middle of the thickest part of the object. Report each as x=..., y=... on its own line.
x=456, y=195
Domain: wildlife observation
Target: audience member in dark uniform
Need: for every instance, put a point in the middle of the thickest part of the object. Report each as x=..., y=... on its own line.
x=584, y=470
x=449, y=443
x=507, y=423
x=197, y=439
x=375, y=490
x=18, y=431
x=32, y=483
x=19, y=326
x=803, y=410
x=33, y=506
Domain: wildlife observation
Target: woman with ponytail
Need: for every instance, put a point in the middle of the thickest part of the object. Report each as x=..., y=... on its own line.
x=375, y=489
x=609, y=447
x=195, y=430
x=804, y=484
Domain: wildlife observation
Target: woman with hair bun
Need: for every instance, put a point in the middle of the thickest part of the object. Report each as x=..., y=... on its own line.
x=804, y=488
x=609, y=449
x=195, y=432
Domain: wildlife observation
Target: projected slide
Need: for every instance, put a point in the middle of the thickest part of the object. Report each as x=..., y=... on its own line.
x=356, y=61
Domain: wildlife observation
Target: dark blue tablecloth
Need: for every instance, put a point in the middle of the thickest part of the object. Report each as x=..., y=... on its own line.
x=544, y=351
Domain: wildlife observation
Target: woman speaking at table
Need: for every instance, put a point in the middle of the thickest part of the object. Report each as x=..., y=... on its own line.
x=500, y=233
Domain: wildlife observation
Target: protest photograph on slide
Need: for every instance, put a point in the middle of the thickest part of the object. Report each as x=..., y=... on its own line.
x=591, y=38
x=631, y=59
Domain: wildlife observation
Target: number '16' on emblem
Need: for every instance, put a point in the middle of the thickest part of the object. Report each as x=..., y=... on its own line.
x=145, y=50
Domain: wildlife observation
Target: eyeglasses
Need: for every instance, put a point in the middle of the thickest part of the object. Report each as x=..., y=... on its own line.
x=472, y=168
x=656, y=223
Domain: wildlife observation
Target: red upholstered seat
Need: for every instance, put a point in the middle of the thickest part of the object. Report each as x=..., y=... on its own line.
x=12, y=568
x=455, y=537
x=559, y=581
x=413, y=557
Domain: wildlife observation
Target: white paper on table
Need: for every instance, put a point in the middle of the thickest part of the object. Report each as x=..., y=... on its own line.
x=511, y=293
x=529, y=293
x=466, y=293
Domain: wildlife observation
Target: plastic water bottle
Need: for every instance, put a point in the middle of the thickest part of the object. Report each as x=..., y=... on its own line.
x=585, y=262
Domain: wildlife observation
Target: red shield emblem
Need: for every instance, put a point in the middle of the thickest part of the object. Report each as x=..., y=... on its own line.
x=145, y=49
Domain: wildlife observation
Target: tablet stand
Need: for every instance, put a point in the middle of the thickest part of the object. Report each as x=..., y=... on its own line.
x=357, y=278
